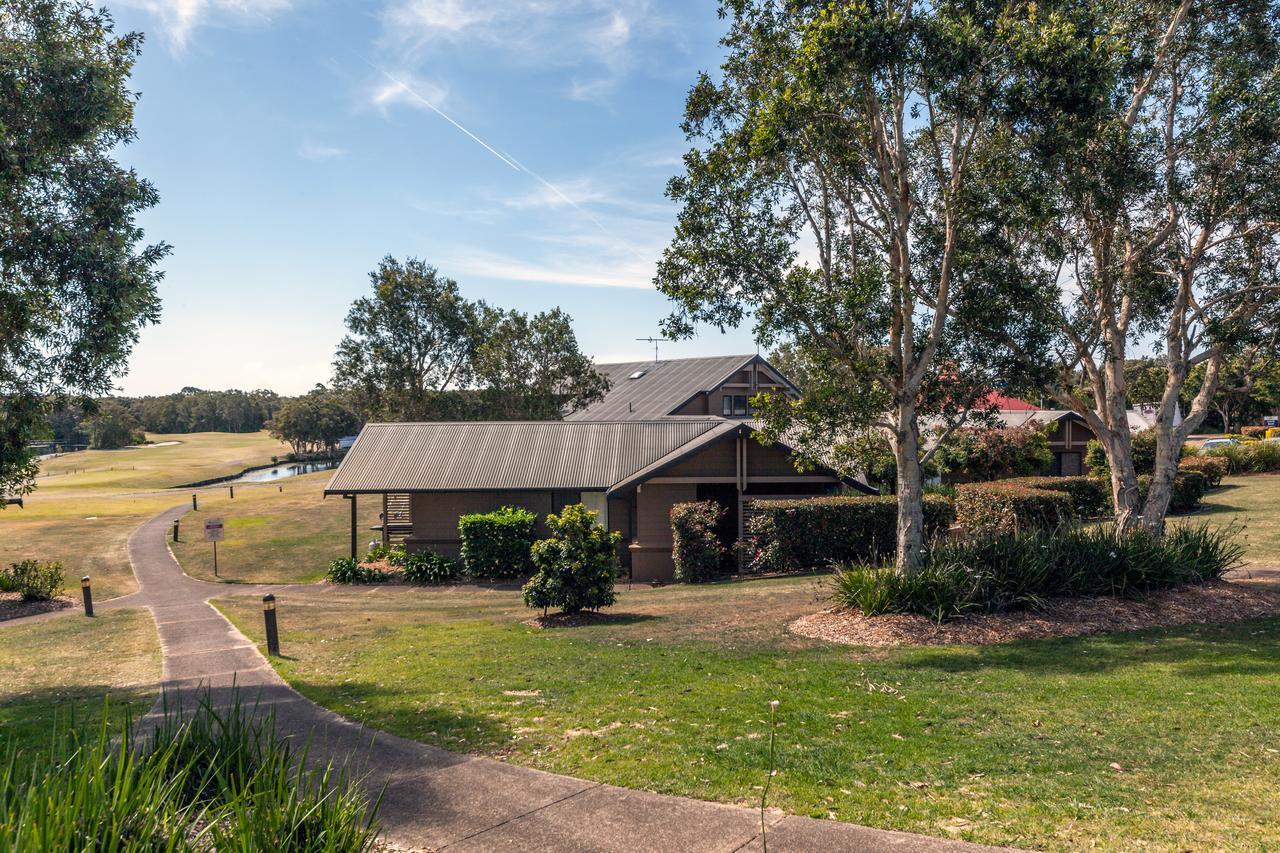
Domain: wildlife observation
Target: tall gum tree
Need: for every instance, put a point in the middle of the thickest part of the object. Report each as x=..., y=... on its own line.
x=839, y=195
x=1165, y=187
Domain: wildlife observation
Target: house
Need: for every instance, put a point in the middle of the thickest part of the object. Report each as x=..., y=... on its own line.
x=666, y=432
x=1070, y=433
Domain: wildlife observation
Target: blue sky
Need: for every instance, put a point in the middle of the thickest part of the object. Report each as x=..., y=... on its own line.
x=296, y=142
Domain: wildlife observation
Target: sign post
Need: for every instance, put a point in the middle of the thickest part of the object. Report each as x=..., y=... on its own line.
x=213, y=533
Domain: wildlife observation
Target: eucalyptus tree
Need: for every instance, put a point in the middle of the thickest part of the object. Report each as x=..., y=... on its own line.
x=848, y=161
x=1165, y=182
x=76, y=280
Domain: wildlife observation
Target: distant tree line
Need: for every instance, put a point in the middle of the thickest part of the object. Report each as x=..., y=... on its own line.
x=189, y=410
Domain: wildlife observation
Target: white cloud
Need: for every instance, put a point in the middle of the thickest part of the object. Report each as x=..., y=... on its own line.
x=180, y=18
x=404, y=88
x=560, y=195
x=558, y=270
x=309, y=150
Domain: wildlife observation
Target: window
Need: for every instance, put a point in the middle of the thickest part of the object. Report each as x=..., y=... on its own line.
x=735, y=404
x=561, y=498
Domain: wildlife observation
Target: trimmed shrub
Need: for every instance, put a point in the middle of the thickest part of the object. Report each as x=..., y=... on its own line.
x=1144, y=454
x=498, y=544
x=577, y=566
x=1189, y=488
x=696, y=549
x=35, y=580
x=1253, y=431
x=813, y=533
x=429, y=567
x=347, y=570
x=1006, y=505
x=1022, y=570
x=1090, y=496
x=1212, y=467
x=993, y=454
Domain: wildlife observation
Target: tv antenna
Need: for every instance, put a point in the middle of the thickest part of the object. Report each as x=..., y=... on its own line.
x=655, y=342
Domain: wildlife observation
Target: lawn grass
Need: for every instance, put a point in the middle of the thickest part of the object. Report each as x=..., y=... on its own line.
x=285, y=532
x=86, y=504
x=1011, y=744
x=56, y=673
x=1255, y=501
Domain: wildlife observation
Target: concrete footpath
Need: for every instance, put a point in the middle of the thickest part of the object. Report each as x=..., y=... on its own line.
x=439, y=800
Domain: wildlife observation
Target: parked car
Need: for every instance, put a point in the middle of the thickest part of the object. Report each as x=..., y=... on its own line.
x=1217, y=442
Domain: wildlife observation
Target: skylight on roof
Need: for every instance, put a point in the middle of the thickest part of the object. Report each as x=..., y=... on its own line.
x=637, y=374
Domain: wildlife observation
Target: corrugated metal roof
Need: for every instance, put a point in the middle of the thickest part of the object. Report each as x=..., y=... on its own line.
x=487, y=455
x=660, y=387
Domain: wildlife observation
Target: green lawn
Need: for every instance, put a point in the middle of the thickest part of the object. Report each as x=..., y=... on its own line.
x=1255, y=501
x=1012, y=744
x=286, y=532
x=86, y=504
x=57, y=672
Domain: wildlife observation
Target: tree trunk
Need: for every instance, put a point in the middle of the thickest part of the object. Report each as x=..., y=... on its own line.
x=1124, y=481
x=906, y=451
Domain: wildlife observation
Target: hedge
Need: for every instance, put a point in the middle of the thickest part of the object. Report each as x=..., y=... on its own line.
x=1007, y=505
x=696, y=549
x=1254, y=431
x=498, y=544
x=814, y=533
x=1090, y=496
x=1189, y=488
x=1214, y=468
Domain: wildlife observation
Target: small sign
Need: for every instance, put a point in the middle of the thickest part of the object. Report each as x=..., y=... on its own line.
x=213, y=530
x=1271, y=420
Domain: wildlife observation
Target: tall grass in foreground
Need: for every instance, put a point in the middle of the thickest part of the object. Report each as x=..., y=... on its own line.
x=212, y=780
x=1023, y=570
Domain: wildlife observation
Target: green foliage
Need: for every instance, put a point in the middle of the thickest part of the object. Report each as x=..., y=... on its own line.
x=207, y=780
x=1006, y=505
x=416, y=340
x=1022, y=570
x=113, y=426
x=1255, y=457
x=577, y=566
x=498, y=544
x=315, y=422
x=1144, y=454
x=1212, y=467
x=1189, y=488
x=813, y=533
x=78, y=283
x=347, y=570
x=429, y=567
x=1253, y=431
x=35, y=580
x=995, y=454
x=696, y=549
x=1090, y=496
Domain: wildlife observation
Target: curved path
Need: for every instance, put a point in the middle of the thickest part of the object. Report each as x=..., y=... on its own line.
x=438, y=799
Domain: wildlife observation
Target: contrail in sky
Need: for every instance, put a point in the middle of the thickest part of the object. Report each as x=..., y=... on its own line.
x=510, y=161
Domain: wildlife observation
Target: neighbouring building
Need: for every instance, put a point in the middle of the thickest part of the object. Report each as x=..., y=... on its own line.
x=1070, y=433
x=666, y=432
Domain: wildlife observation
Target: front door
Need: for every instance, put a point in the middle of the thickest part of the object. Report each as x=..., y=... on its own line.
x=1070, y=465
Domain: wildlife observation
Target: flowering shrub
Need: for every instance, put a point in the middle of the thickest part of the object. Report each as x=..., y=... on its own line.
x=1214, y=468
x=1008, y=505
x=696, y=549
x=813, y=533
x=993, y=454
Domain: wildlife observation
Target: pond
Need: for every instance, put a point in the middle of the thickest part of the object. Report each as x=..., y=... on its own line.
x=285, y=469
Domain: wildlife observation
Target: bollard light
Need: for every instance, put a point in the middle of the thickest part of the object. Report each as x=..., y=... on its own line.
x=175, y=530
x=269, y=618
x=87, y=592
x=193, y=504
x=233, y=492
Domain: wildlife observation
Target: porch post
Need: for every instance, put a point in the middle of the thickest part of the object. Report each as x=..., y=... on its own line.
x=386, y=533
x=352, y=498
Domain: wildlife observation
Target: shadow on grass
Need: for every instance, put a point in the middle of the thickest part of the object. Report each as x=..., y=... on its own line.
x=402, y=711
x=588, y=619
x=1250, y=647
x=37, y=720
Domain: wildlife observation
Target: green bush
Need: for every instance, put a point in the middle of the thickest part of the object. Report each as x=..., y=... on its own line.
x=207, y=780
x=978, y=453
x=813, y=533
x=1090, y=496
x=429, y=567
x=696, y=549
x=377, y=551
x=1213, y=468
x=1189, y=488
x=1005, y=505
x=1022, y=570
x=347, y=570
x=35, y=580
x=1144, y=454
x=498, y=544
x=1253, y=431
x=577, y=566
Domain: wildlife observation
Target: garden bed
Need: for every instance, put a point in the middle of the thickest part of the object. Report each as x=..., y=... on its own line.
x=1214, y=602
x=14, y=606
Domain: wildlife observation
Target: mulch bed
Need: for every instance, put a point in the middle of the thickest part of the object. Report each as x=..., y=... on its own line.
x=1217, y=602
x=13, y=607
x=574, y=620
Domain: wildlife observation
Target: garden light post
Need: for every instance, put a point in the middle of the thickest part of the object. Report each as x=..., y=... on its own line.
x=269, y=618
x=175, y=530
x=87, y=592
x=193, y=503
x=232, y=489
